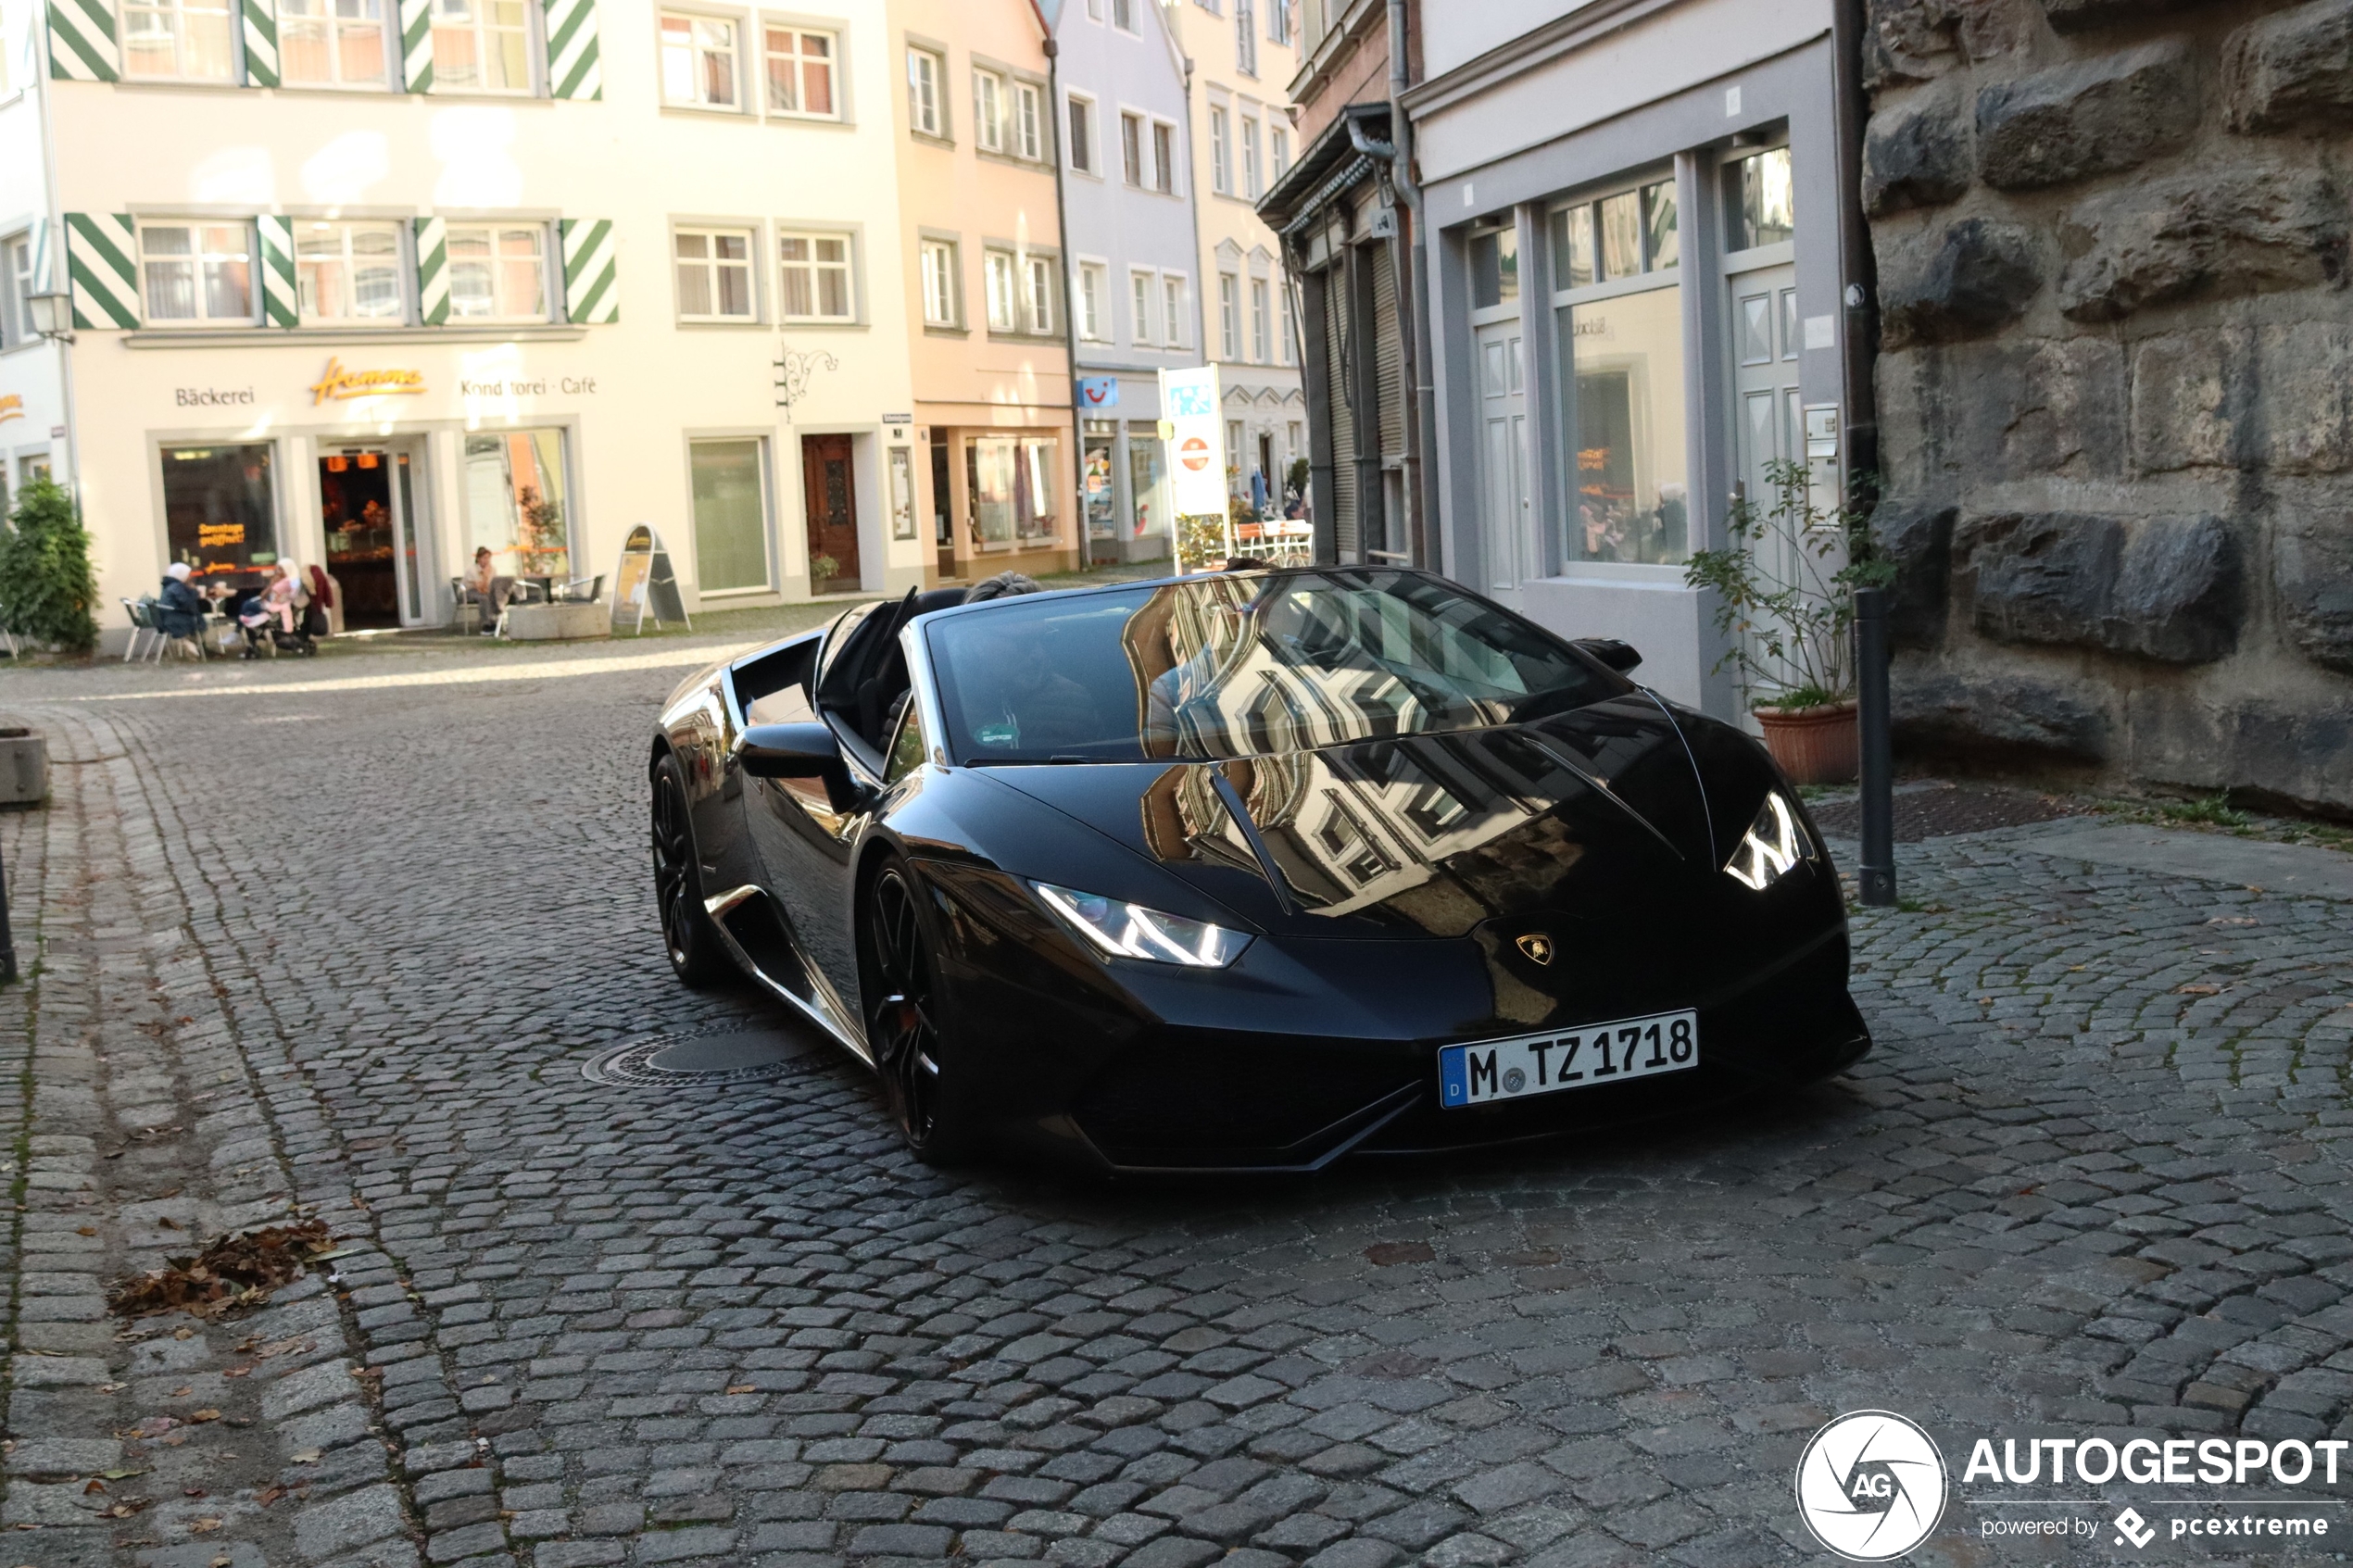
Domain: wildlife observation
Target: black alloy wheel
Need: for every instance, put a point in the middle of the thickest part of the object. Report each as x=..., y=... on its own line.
x=686, y=933
x=902, y=1018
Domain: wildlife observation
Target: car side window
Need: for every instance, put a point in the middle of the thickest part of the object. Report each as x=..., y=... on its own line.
x=906, y=753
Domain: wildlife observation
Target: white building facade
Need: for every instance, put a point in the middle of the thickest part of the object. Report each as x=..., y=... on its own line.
x=1135, y=285
x=380, y=290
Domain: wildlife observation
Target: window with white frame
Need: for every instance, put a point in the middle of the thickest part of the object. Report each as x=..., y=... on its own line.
x=197, y=272
x=349, y=271
x=799, y=67
x=1093, y=283
x=1165, y=157
x=1246, y=37
x=497, y=272
x=1288, y=347
x=939, y=283
x=1123, y=15
x=1229, y=316
x=180, y=40
x=1000, y=277
x=1252, y=186
x=1279, y=140
x=480, y=46
x=989, y=111
x=1278, y=20
x=15, y=274
x=1139, y=304
x=699, y=61
x=1178, y=318
x=714, y=274
x=332, y=44
x=816, y=280
x=1082, y=134
x=1221, y=172
x=926, y=112
x=1030, y=122
x=1040, y=297
x=1260, y=328
x=1131, y=148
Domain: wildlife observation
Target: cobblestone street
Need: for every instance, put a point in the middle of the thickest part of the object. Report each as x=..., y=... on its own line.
x=347, y=944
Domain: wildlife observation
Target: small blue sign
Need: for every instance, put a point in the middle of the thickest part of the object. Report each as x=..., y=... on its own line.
x=1455, y=1076
x=1191, y=402
x=1099, y=392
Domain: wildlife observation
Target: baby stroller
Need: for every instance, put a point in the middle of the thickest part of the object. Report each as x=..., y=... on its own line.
x=265, y=633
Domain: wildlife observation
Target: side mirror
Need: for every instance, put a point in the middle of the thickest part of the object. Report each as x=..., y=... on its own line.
x=803, y=750
x=1620, y=657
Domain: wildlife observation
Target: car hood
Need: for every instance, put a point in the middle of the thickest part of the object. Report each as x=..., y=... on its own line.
x=1597, y=814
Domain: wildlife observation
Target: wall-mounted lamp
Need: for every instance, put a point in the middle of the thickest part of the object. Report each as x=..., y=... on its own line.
x=52, y=314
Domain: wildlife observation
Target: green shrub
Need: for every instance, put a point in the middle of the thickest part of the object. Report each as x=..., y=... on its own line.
x=46, y=589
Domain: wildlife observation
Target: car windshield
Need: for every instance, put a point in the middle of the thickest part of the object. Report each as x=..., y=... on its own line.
x=1233, y=666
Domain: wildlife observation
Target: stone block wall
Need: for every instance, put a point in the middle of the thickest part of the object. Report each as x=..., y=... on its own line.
x=2116, y=386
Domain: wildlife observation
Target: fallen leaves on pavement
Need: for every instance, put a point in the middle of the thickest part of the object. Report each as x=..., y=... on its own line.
x=236, y=1269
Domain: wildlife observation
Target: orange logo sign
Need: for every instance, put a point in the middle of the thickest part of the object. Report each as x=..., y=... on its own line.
x=341, y=386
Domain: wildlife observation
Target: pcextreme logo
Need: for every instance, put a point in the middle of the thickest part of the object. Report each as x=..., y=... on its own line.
x=1871, y=1486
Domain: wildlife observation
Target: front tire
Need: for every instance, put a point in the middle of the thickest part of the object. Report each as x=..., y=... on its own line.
x=903, y=1020
x=688, y=934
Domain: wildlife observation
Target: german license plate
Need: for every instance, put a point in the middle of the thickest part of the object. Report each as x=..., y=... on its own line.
x=1568, y=1059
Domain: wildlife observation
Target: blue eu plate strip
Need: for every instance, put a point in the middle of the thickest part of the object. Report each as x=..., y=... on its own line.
x=1453, y=1076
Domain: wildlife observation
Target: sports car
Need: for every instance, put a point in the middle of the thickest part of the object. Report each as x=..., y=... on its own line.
x=1247, y=871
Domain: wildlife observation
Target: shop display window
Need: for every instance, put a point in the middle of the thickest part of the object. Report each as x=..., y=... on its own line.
x=518, y=502
x=220, y=509
x=1011, y=483
x=731, y=515
x=1632, y=499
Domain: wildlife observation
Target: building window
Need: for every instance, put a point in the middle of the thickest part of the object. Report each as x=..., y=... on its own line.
x=480, y=46
x=800, y=73
x=1177, y=318
x=1278, y=20
x=220, y=514
x=498, y=273
x=1246, y=37
x=1009, y=483
x=1123, y=15
x=1235, y=464
x=1229, y=316
x=939, y=283
x=1131, y=148
x=349, y=271
x=1139, y=304
x=1280, y=139
x=516, y=501
x=714, y=274
x=1251, y=185
x=1619, y=321
x=331, y=43
x=15, y=276
x=1093, y=281
x=925, y=111
x=817, y=277
x=1041, y=296
x=997, y=267
x=1164, y=157
x=699, y=61
x=197, y=272
x=1221, y=174
x=1030, y=122
x=730, y=514
x=1762, y=200
x=1289, y=327
x=1260, y=328
x=1082, y=134
x=189, y=40
x=1494, y=267
x=988, y=111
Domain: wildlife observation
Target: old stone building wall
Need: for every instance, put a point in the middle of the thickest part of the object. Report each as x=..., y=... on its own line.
x=2116, y=389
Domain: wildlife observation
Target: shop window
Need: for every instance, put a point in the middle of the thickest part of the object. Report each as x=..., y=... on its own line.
x=518, y=504
x=998, y=266
x=1494, y=259
x=497, y=272
x=197, y=272
x=731, y=515
x=1143, y=479
x=940, y=294
x=1621, y=236
x=181, y=40
x=714, y=274
x=902, y=494
x=926, y=112
x=800, y=73
x=1010, y=482
x=331, y=42
x=1626, y=418
x=1098, y=495
x=1041, y=296
x=350, y=272
x=816, y=277
x=480, y=46
x=1761, y=200
x=989, y=111
x=219, y=513
x=699, y=61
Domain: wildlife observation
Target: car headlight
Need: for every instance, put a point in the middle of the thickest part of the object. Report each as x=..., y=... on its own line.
x=1119, y=929
x=1773, y=844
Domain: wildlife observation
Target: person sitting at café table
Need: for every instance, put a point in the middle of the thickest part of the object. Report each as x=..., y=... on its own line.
x=179, y=611
x=485, y=588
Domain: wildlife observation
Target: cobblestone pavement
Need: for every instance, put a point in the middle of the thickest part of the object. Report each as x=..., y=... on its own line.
x=2093, y=1177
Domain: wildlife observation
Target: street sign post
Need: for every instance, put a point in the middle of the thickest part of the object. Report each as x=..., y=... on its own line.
x=1196, y=442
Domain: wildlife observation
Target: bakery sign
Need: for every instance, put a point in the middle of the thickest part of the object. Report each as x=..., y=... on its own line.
x=11, y=408
x=339, y=385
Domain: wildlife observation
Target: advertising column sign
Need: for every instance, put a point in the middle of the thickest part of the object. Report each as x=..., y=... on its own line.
x=643, y=580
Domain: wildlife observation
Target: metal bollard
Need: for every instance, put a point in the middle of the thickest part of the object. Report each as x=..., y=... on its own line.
x=1877, y=874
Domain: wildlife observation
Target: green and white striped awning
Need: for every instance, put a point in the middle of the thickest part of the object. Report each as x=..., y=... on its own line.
x=592, y=293
x=102, y=256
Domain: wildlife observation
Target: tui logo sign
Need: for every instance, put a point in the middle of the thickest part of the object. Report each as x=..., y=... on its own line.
x=1871, y=1486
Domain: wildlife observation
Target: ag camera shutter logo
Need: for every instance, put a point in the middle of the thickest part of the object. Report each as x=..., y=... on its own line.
x=1871, y=1486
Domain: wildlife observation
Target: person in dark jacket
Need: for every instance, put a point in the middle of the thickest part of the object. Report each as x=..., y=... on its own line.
x=180, y=611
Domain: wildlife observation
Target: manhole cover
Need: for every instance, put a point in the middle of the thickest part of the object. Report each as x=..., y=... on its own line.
x=676, y=1061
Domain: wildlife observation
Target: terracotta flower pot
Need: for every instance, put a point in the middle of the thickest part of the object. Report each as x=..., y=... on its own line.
x=1814, y=746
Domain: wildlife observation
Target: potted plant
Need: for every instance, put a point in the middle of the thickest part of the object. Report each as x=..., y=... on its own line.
x=823, y=570
x=1785, y=586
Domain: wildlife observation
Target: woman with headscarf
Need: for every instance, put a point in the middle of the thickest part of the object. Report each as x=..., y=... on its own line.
x=317, y=619
x=180, y=610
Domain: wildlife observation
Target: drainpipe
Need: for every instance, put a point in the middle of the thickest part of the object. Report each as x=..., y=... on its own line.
x=59, y=275
x=1859, y=263
x=1421, y=413
x=1070, y=316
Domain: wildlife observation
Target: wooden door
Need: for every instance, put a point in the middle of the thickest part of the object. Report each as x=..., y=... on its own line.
x=832, y=495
